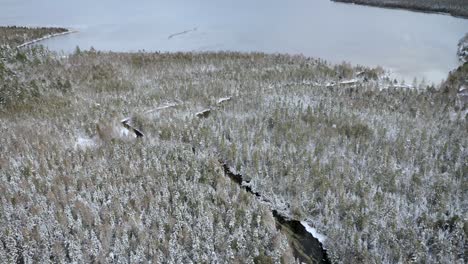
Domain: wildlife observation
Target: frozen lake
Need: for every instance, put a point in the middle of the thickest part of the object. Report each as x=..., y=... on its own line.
x=408, y=43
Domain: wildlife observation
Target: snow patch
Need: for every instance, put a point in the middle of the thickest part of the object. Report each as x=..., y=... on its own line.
x=314, y=232
x=169, y=105
x=203, y=113
x=352, y=81
x=124, y=132
x=224, y=99
x=84, y=143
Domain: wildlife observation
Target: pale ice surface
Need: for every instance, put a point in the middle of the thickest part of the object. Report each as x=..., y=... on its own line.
x=412, y=44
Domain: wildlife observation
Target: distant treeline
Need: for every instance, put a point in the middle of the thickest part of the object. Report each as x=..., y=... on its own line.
x=453, y=7
x=463, y=49
x=14, y=35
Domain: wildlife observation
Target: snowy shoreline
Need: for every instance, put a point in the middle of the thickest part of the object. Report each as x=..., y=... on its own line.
x=407, y=7
x=45, y=38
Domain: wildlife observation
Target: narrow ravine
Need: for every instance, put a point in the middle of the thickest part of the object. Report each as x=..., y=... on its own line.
x=306, y=247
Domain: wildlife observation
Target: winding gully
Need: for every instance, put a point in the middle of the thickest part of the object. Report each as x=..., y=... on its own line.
x=306, y=248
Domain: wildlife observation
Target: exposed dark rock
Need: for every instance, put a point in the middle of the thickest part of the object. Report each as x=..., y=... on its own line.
x=127, y=125
x=306, y=247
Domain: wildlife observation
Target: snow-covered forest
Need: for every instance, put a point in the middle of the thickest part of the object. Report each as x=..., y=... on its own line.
x=15, y=36
x=463, y=49
x=379, y=168
x=453, y=7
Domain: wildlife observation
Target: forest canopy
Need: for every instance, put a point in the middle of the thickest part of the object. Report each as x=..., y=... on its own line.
x=377, y=167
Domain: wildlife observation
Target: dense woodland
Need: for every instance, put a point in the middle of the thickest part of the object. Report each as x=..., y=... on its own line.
x=379, y=168
x=463, y=49
x=15, y=36
x=453, y=7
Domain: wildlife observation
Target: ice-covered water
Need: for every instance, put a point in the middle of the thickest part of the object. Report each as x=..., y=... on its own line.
x=410, y=44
